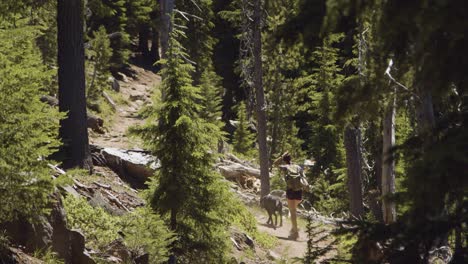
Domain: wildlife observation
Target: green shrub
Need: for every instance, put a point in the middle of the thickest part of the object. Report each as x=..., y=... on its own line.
x=99, y=227
x=142, y=229
x=28, y=127
x=145, y=230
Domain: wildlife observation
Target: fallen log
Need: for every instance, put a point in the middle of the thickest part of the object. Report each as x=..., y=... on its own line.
x=233, y=171
x=109, y=100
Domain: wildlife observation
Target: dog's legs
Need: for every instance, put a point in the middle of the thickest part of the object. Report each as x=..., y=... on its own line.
x=281, y=217
x=270, y=219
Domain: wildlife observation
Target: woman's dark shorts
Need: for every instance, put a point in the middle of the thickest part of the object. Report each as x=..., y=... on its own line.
x=294, y=195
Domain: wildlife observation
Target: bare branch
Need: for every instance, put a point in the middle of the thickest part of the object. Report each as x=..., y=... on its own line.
x=387, y=72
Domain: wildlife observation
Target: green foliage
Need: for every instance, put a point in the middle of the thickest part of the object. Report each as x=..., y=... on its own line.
x=329, y=192
x=99, y=227
x=142, y=229
x=28, y=127
x=199, y=42
x=325, y=143
x=211, y=100
x=48, y=256
x=139, y=14
x=112, y=15
x=145, y=230
x=317, y=235
x=186, y=190
x=243, y=140
x=100, y=54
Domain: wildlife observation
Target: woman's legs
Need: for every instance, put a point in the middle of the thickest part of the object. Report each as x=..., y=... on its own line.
x=292, y=204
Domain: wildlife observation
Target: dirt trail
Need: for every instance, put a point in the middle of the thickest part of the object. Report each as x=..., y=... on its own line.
x=135, y=94
x=286, y=249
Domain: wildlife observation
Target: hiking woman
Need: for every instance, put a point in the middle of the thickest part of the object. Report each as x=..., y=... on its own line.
x=294, y=196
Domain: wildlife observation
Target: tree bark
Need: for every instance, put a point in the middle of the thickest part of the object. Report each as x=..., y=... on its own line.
x=71, y=77
x=353, y=161
x=154, y=51
x=260, y=98
x=388, y=164
x=425, y=112
x=143, y=36
x=166, y=7
x=276, y=119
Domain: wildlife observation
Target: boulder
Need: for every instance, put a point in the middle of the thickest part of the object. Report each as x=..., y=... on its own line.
x=115, y=85
x=122, y=77
x=132, y=166
x=118, y=249
x=50, y=100
x=241, y=240
x=278, y=193
x=12, y=255
x=95, y=123
x=50, y=231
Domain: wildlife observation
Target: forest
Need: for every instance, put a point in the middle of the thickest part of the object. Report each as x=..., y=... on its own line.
x=178, y=131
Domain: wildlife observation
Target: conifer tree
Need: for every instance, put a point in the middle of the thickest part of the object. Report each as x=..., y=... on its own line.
x=243, y=140
x=100, y=52
x=113, y=16
x=28, y=127
x=210, y=92
x=186, y=188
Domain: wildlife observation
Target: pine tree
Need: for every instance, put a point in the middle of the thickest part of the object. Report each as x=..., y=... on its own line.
x=113, y=16
x=210, y=92
x=186, y=187
x=28, y=127
x=243, y=140
x=100, y=53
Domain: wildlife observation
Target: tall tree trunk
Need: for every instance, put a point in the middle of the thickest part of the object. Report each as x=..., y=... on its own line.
x=71, y=77
x=276, y=119
x=166, y=7
x=260, y=98
x=143, y=36
x=353, y=161
x=154, y=52
x=388, y=164
x=425, y=112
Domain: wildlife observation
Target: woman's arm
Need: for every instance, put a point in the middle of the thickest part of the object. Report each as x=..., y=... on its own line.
x=278, y=161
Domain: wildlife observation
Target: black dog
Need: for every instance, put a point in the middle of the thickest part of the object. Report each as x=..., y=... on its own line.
x=272, y=204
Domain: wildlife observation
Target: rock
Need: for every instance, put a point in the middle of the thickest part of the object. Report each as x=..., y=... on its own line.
x=118, y=249
x=137, y=96
x=50, y=231
x=95, y=123
x=278, y=193
x=241, y=240
x=70, y=190
x=78, y=248
x=122, y=77
x=115, y=85
x=248, y=199
x=50, y=100
x=134, y=167
x=11, y=255
x=142, y=259
x=273, y=256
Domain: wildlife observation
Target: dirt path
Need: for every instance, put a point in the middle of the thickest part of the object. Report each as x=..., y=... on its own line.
x=134, y=94
x=287, y=249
